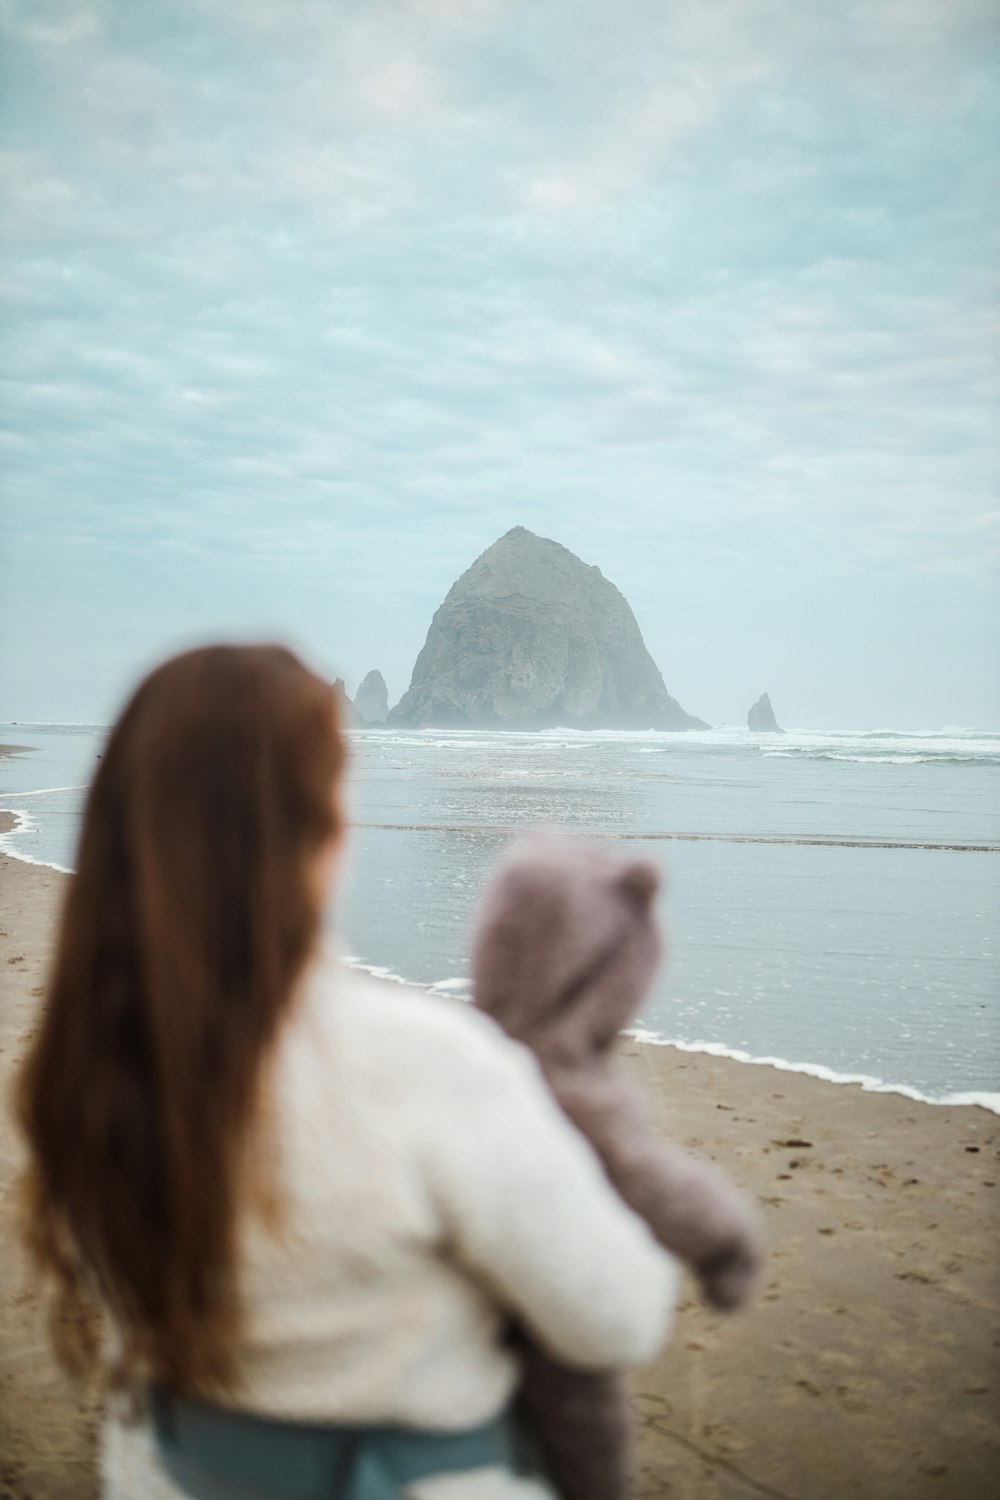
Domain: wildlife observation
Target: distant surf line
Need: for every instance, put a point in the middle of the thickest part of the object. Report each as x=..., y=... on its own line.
x=819, y=841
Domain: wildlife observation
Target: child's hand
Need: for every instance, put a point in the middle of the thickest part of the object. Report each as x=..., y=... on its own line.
x=728, y=1277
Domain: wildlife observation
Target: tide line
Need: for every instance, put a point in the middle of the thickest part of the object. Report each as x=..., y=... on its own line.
x=23, y=824
x=818, y=841
x=43, y=791
x=983, y=1098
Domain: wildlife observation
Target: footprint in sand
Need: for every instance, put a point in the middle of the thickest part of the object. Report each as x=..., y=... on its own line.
x=653, y=1413
x=726, y=1439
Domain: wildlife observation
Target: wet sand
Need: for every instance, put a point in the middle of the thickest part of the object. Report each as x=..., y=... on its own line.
x=47, y=1436
x=867, y=1368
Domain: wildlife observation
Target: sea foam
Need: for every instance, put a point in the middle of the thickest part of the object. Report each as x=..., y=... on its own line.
x=24, y=824
x=871, y=1085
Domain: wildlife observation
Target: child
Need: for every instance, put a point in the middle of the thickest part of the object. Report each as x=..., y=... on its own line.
x=564, y=950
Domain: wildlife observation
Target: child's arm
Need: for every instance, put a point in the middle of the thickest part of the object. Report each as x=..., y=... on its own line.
x=690, y=1205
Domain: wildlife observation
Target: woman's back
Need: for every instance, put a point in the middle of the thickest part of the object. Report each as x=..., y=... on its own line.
x=417, y=1146
x=426, y=1187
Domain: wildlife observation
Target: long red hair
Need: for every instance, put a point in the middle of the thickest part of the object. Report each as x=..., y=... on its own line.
x=192, y=913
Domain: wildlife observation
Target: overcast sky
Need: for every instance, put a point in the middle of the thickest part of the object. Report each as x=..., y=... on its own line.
x=307, y=302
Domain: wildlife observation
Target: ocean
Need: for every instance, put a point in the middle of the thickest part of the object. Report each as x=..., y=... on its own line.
x=831, y=898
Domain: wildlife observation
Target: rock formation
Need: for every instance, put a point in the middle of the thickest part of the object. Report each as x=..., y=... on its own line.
x=761, y=717
x=530, y=637
x=346, y=706
x=371, y=701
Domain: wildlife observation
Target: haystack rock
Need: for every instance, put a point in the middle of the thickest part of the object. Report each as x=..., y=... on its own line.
x=761, y=717
x=531, y=637
x=371, y=701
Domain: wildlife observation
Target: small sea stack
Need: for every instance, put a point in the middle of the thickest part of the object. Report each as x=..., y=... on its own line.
x=761, y=717
x=371, y=701
x=346, y=706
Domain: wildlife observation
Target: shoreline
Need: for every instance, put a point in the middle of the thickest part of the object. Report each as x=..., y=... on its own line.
x=972, y=1098
x=987, y=1099
x=18, y=823
x=867, y=1366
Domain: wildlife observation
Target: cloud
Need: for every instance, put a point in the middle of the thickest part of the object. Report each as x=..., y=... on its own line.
x=641, y=137
x=325, y=178
x=34, y=199
x=71, y=27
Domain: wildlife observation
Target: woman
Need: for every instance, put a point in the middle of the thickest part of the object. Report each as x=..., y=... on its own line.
x=304, y=1202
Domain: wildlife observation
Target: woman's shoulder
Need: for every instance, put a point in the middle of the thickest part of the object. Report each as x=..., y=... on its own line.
x=377, y=1019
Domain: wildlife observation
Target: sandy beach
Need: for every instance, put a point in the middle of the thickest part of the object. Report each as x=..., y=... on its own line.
x=868, y=1366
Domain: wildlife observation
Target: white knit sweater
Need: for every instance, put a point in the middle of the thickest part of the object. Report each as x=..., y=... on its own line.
x=429, y=1187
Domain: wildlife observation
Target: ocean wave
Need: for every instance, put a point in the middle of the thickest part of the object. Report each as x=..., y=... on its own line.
x=24, y=824
x=893, y=746
x=43, y=791
x=984, y=1099
x=873, y=757
x=458, y=988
